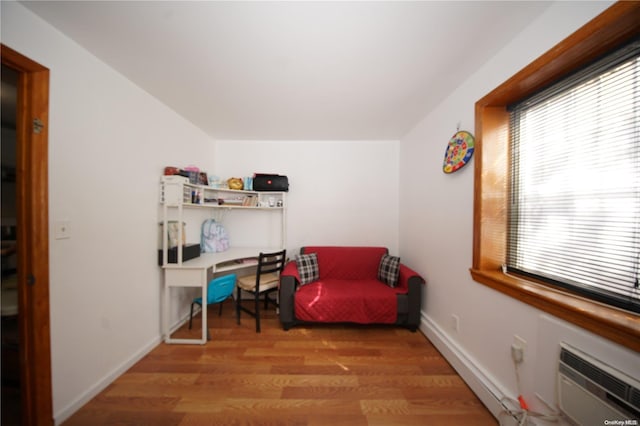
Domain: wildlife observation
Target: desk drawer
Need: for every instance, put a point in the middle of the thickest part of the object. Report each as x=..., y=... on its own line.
x=187, y=277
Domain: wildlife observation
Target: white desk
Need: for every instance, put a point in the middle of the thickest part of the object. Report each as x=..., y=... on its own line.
x=197, y=273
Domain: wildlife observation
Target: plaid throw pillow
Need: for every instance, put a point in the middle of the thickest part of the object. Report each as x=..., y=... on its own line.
x=307, y=267
x=389, y=270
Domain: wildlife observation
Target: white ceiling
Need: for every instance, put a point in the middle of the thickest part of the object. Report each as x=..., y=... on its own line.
x=294, y=70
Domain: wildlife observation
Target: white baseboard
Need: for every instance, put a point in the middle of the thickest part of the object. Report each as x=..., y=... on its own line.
x=66, y=412
x=480, y=382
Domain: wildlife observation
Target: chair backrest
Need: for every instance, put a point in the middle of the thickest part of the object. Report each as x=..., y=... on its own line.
x=220, y=288
x=271, y=263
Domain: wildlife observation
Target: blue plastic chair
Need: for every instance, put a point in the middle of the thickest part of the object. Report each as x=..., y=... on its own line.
x=218, y=290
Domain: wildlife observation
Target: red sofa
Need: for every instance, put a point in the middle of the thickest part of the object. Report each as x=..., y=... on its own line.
x=348, y=289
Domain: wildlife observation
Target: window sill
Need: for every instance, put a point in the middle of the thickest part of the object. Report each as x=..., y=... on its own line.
x=614, y=324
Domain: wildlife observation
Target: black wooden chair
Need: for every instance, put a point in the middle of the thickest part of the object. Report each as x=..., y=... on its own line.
x=264, y=283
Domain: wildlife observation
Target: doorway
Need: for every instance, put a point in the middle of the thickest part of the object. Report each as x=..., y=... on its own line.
x=9, y=274
x=25, y=241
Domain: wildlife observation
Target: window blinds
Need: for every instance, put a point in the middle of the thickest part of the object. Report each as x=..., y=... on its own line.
x=574, y=218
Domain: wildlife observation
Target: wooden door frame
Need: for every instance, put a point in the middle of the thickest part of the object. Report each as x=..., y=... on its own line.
x=32, y=204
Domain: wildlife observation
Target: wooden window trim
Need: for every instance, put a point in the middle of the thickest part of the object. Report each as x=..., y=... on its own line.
x=615, y=26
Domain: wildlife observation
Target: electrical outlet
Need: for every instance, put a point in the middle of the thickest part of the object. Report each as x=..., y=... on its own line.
x=455, y=323
x=62, y=230
x=517, y=349
x=517, y=340
x=517, y=353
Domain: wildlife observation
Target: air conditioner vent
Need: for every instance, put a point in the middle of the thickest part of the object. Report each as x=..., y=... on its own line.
x=591, y=391
x=595, y=374
x=634, y=398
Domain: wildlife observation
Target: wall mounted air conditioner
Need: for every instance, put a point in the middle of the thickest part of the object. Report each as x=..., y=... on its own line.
x=590, y=391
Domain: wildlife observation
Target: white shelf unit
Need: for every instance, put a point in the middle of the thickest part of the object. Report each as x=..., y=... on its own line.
x=177, y=193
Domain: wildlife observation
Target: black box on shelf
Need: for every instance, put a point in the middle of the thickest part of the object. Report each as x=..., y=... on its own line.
x=264, y=182
x=189, y=251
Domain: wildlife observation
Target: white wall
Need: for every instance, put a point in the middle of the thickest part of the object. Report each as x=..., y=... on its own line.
x=341, y=192
x=436, y=225
x=108, y=144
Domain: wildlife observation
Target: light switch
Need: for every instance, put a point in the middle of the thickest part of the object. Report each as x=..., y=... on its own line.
x=62, y=230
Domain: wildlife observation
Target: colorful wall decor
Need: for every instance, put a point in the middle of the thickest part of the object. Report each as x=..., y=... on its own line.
x=459, y=151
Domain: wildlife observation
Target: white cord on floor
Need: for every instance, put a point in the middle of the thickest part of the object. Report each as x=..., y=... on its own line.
x=519, y=409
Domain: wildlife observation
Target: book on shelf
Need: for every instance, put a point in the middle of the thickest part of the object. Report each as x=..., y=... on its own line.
x=233, y=201
x=250, y=201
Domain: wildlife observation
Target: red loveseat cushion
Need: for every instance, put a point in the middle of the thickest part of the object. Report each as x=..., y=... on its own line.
x=357, y=301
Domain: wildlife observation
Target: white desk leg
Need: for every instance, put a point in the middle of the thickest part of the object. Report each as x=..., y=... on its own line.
x=204, y=306
x=165, y=310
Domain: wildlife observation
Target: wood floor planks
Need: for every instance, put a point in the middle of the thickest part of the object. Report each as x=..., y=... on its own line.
x=309, y=376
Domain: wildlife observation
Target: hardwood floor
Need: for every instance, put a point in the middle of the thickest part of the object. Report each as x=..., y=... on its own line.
x=311, y=375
